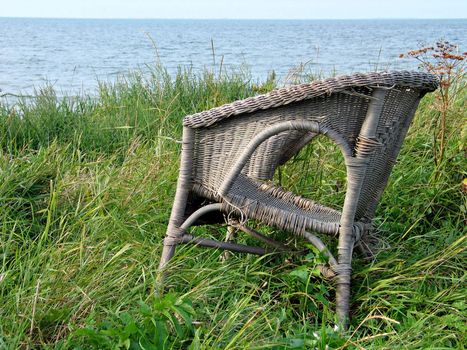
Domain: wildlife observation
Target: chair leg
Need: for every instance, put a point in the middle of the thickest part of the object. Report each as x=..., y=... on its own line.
x=167, y=253
x=171, y=239
x=170, y=242
x=343, y=299
x=343, y=272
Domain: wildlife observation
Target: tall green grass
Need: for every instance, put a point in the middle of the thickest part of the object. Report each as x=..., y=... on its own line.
x=86, y=187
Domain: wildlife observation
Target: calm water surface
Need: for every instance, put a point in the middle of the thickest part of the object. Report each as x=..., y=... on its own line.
x=74, y=54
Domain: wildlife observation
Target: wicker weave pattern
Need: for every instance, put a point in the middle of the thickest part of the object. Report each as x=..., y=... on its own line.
x=275, y=206
x=240, y=130
x=342, y=112
x=230, y=153
x=296, y=93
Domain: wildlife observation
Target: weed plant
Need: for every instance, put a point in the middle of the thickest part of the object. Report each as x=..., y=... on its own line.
x=86, y=187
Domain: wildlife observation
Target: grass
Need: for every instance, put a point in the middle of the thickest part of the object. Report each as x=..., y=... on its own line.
x=86, y=187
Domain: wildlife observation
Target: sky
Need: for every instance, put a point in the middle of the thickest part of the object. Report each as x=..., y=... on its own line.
x=256, y=9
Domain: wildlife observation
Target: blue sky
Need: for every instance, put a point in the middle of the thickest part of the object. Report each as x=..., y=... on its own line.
x=279, y=9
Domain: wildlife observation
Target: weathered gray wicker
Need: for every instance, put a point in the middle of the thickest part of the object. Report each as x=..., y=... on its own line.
x=229, y=152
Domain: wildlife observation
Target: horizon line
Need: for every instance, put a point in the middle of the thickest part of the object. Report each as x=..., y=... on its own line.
x=237, y=19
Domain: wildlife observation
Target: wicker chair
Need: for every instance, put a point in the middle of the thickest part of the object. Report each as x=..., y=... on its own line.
x=229, y=153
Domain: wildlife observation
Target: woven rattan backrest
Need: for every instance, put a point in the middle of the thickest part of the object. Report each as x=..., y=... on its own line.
x=218, y=146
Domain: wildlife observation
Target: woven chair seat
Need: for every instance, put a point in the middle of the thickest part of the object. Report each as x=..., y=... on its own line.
x=275, y=206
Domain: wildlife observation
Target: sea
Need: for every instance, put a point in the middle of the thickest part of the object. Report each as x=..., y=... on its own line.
x=74, y=55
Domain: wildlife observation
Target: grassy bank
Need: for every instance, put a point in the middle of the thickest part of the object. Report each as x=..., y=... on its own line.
x=86, y=187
